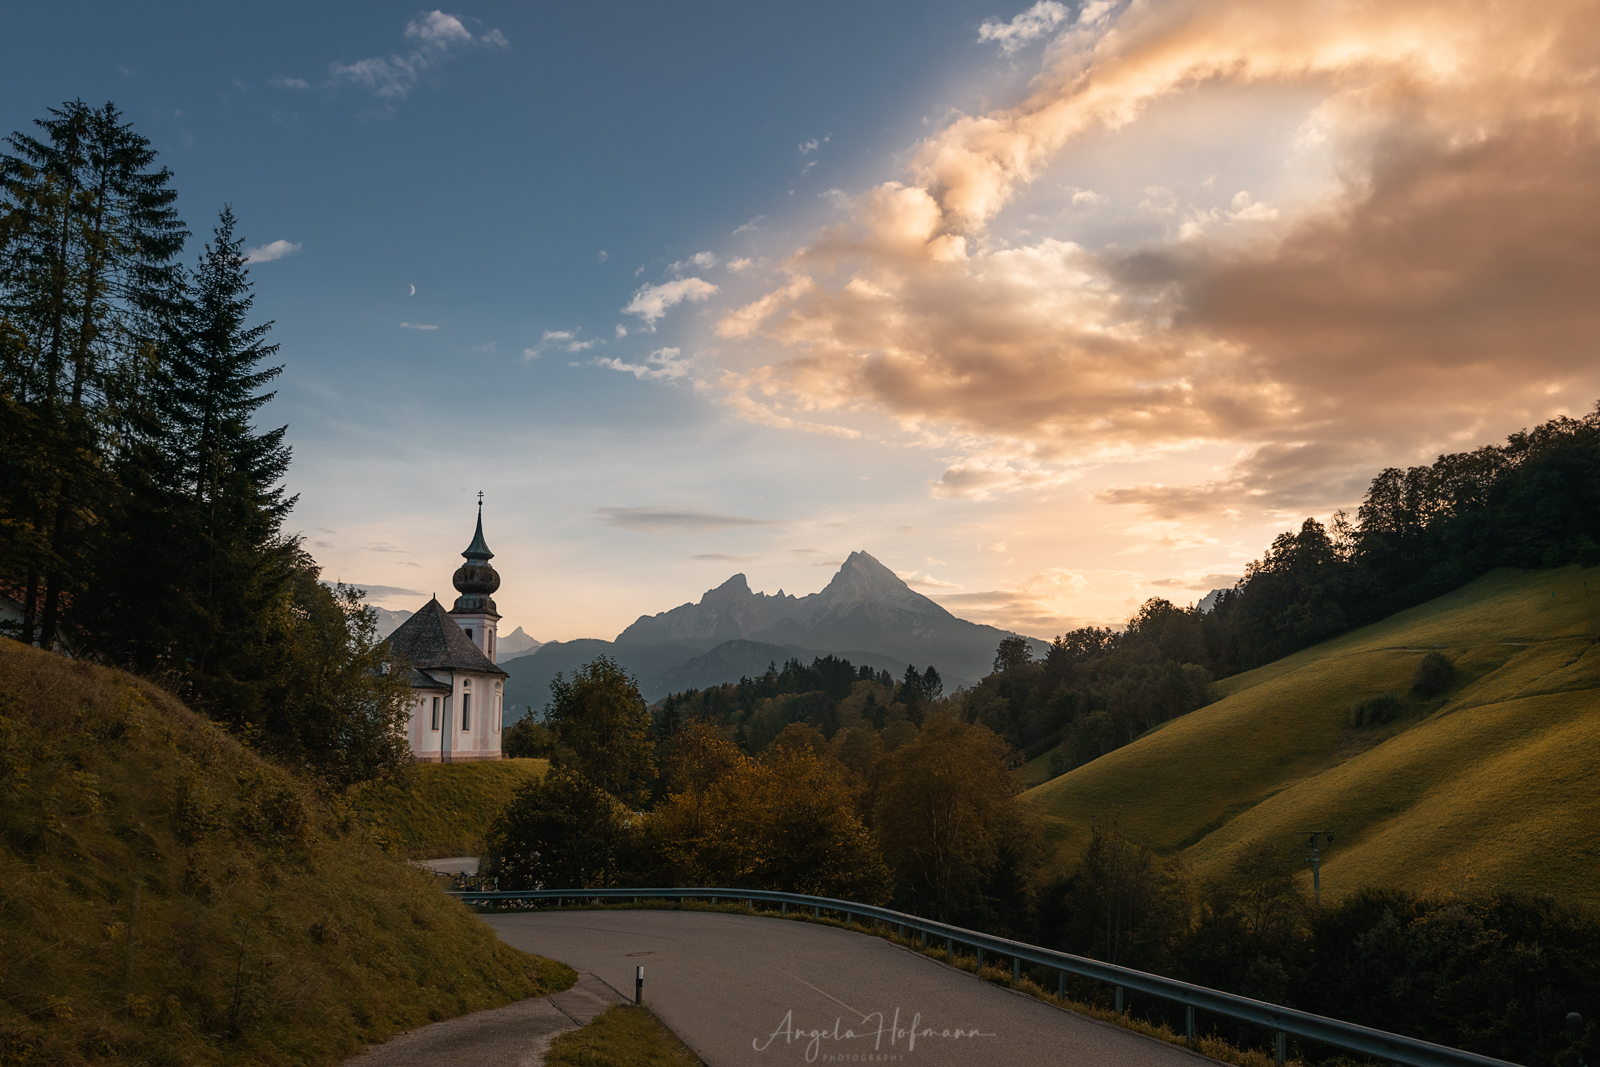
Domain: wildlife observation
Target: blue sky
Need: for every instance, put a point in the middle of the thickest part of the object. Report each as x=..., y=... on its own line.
x=691, y=289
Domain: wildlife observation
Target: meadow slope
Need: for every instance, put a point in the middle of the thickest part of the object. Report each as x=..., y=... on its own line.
x=167, y=897
x=445, y=808
x=1492, y=783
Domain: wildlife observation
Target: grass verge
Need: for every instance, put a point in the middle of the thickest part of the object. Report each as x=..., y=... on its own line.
x=624, y=1035
x=1209, y=1045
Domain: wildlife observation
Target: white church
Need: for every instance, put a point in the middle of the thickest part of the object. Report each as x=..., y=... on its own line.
x=458, y=690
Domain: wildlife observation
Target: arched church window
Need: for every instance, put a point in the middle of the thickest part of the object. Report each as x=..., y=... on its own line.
x=469, y=633
x=466, y=710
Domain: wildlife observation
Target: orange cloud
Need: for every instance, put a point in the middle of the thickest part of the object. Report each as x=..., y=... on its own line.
x=1437, y=288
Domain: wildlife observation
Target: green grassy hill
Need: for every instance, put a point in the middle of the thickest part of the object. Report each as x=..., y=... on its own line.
x=447, y=807
x=1495, y=782
x=166, y=897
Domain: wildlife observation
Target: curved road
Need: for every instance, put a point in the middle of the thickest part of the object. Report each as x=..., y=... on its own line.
x=745, y=990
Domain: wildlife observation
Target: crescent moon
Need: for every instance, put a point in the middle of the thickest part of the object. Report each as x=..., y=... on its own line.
x=413, y=290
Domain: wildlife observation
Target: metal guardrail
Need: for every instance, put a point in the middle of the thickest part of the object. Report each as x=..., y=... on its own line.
x=1392, y=1047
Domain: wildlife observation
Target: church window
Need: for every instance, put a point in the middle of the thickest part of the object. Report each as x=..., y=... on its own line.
x=466, y=711
x=435, y=713
x=469, y=633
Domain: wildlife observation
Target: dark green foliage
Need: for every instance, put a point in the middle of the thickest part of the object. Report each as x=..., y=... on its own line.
x=798, y=693
x=1012, y=653
x=602, y=729
x=1123, y=905
x=1432, y=676
x=1096, y=689
x=88, y=233
x=561, y=831
x=527, y=739
x=1375, y=711
x=1494, y=973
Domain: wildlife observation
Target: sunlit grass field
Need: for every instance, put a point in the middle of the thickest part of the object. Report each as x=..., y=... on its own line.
x=168, y=897
x=1493, y=783
x=447, y=807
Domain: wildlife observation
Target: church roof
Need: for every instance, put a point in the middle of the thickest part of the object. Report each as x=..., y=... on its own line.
x=478, y=551
x=431, y=640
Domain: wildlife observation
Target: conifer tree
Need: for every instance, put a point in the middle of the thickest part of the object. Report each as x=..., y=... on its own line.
x=194, y=564
x=88, y=233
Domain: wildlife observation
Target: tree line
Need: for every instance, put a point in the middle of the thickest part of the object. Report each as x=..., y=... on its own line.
x=924, y=813
x=1419, y=533
x=141, y=508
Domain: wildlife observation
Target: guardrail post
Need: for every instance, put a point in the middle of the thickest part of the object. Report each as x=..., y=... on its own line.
x=784, y=905
x=1119, y=1000
x=1061, y=984
x=816, y=912
x=924, y=934
x=949, y=951
x=1016, y=968
x=1281, y=1047
x=1188, y=1022
x=980, y=960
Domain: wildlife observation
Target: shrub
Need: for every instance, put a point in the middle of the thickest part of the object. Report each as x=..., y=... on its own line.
x=1374, y=711
x=1433, y=675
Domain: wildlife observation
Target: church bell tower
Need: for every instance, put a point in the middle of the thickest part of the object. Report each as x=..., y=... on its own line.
x=475, y=580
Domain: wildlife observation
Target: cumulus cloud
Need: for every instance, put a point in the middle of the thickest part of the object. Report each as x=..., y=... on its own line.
x=652, y=302
x=698, y=261
x=743, y=263
x=566, y=340
x=416, y=326
x=674, y=520
x=436, y=37
x=1038, y=21
x=270, y=251
x=1433, y=277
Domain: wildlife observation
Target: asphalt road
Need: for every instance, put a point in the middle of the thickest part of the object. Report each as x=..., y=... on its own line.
x=745, y=990
x=516, y=1035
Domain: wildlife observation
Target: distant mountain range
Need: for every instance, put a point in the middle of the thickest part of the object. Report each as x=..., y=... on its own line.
x=516, y=643
x=865, y=614
x=389, y=621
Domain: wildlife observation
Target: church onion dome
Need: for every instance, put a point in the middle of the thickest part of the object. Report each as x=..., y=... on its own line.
x=476, y=579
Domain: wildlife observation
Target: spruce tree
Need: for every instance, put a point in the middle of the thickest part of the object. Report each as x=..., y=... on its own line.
x=88, y=234
x=195, y=564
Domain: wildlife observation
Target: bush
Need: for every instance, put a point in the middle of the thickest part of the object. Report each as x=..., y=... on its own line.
x=1375, y=711
x=562, y=832
x=528, y=739
x=1433, y=675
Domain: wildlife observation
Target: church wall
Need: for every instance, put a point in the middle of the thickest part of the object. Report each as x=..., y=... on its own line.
x=481, y=738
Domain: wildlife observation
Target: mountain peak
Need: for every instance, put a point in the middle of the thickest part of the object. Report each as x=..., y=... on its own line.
x=862, y=580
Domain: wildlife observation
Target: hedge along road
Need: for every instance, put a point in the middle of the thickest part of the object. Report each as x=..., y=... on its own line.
x=741, y=990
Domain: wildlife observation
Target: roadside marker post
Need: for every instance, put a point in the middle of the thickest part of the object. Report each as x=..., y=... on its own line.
x=638, y=984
